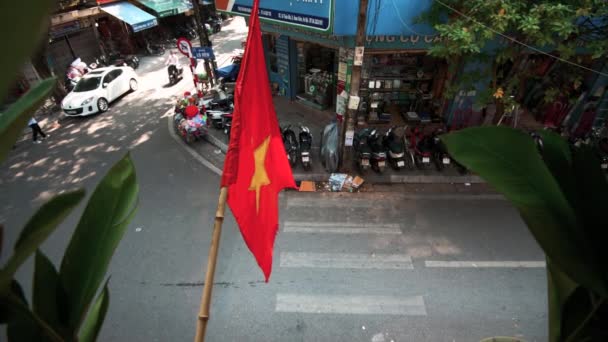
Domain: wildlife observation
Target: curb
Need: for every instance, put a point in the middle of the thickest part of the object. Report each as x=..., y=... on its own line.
x=189, y=149
x=217, y=143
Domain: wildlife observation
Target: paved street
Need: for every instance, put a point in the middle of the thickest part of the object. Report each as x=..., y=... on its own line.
x=378, y=266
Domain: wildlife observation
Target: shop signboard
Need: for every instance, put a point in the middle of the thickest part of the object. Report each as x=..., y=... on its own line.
x=65, y=29
x=393, y=17
x=307, y=14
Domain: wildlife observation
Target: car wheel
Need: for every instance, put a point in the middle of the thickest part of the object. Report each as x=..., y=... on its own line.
x=133, y=84
x=102, y=105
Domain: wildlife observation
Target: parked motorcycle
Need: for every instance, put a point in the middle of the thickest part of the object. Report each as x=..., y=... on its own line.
x=222, y=102
x=291, y=145
x=217, y=117
x=117, y=59
x=305, y=146
x=441, y=158
x=394, y=143
x=362, y=149
x=227, y=123
x=155, y=49
x=423, y=148
x=215, y=24
x=175, y=73
x=378, y=152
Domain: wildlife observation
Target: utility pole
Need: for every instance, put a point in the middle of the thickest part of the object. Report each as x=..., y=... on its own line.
x=204, y=40
x=349, y=118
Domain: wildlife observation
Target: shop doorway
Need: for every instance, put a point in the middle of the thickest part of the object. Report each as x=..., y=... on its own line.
x=317, y=66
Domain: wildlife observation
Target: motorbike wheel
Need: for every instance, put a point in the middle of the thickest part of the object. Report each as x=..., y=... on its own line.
x=189, y=138
x=293, y=158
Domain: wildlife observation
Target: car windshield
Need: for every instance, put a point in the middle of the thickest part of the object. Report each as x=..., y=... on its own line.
x=87, y=84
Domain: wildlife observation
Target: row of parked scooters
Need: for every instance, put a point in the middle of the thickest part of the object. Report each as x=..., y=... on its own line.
x=298, y=147
x=402, y=147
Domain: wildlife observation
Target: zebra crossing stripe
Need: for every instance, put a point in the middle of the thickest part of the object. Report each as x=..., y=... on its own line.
x=363, y=305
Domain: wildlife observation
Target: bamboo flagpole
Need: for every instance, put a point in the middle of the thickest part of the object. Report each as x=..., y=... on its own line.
x=203, y=313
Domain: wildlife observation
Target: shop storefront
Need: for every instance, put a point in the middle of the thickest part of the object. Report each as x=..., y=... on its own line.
x=316, y=75
x=394, y=84
x=72, y=35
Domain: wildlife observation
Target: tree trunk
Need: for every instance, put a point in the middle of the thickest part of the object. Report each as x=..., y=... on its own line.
x=204, y=38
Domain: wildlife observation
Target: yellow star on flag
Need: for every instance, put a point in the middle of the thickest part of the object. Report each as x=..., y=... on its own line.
x=260, y=177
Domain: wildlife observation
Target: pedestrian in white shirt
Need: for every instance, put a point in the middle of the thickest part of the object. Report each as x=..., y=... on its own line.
x=36, y=130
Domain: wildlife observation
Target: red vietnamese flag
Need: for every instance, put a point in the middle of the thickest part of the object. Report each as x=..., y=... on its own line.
x=256, y=167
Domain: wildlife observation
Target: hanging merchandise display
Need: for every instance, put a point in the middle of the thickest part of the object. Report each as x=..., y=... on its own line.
x=406, y=84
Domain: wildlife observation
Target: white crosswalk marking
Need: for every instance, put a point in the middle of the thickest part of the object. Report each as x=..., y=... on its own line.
x=324, y=202
x=328, y=304
x=484, y=264
x=344, y=260
x=341, y=228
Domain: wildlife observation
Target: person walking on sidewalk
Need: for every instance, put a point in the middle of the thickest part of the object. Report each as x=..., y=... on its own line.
x=35, y=130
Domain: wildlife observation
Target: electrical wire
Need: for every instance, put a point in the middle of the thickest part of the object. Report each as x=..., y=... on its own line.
x=403, y=21
x=521, y=43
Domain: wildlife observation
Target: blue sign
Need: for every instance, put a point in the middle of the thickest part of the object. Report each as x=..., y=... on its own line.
x=202, y=52
x=384, y=17
x=310, y=14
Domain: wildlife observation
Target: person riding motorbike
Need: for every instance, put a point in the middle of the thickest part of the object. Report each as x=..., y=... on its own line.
x=173, y=66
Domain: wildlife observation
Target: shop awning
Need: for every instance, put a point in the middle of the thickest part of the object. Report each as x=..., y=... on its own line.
x=131, y=14
x=165, y=8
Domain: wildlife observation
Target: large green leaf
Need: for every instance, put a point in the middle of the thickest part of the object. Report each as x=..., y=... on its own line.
x=508, y=159
x=25, y=325
x=560, y=288
x=37, y=229
x=97, y=235
x=94, y=320
x=16, y=117
x=45, y=291
x=21, y=326
x=22, y=24
x=593, y=191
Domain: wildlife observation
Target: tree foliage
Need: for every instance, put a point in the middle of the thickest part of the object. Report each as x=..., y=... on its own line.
x=560, y=27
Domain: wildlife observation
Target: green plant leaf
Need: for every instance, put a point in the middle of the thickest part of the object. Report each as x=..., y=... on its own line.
x=97, y=235
x=560, y=288
x=16, y=117
x=46, y=290
x=509, y=161
x=38, y=228
x=22, y=25
x=24, y=325
x=94, y=320
x=592, y=189
x=7, y=311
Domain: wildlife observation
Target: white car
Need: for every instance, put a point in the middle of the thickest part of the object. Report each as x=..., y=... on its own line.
x=95, y=90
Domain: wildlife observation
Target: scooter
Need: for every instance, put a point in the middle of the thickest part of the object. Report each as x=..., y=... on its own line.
x=423, y=147
x=155, y=49
x=222, y=102
x=394, y=143
x=363, y=149
x=305, y=146
x=227, y=123
x=217, y=117
x=291, y=145
x=378, y=152
x=441, y=158
x=117, y=59
x=175, y=73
